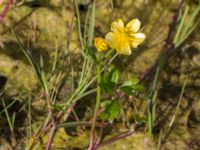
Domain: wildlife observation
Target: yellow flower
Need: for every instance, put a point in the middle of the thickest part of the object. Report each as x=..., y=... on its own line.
x=100, y=44
x=123, y=38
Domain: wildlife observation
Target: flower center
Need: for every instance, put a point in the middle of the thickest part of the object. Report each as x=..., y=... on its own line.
x=123, y=38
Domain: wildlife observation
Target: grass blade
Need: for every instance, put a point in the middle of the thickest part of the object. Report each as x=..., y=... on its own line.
x=79, y=24
x=183, y=19
x=189, y=22
x=55, y=56
x=178, y=104
x=92, y=24
x=8, y=106
x=8, y=117
x=29, y=58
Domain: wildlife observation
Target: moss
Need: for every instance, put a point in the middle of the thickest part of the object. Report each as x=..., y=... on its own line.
x=61, y=141
x=20, y=75
x=138, y=141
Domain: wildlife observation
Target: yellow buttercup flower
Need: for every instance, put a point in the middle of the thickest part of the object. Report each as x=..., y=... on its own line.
x=123, y=38
x=100, y=44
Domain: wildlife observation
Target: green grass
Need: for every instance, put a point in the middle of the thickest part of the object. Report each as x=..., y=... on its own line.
x=178, y=104
x=10, y=119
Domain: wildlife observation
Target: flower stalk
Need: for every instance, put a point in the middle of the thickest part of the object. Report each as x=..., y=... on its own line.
x=98, y=101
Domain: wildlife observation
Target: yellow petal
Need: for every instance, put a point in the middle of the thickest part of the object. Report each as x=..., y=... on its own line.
x=133, y=25
x=111, y=39
x=124, y=49
x=117, y=26
x=137, y=39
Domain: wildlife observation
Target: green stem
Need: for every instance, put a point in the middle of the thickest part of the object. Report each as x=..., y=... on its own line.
x=98, y=100
x=153, y=96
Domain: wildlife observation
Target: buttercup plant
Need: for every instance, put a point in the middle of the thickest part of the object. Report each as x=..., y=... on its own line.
x=121, y=39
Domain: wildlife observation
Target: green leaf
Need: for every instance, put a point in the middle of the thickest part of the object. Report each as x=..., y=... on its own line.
x=138, y=88
x=131, y=86
x=126, y=89
x=111, y=68
x=132, y=81
x=135, y=80
x=110, y=79
x=92, y=23
x=107, y=86
x=111, y=110
x=115, y=76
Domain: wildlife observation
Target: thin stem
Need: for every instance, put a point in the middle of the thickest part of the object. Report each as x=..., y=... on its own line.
x=85, y=94
x=73, y=124
x=82, y=88
x=51, y=136
x=178, y=104
x=79, y=24
x=114, y=139
x=153, y=95
x=2, y=15
x=8, y=117
x=101, y=134
x=98, y=100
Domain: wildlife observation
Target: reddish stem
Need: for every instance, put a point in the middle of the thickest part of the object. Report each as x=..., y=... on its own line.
x=101, y=133
x=58, y=115
x=114, y=139
x=50, y=123
x=51, y=136
x=3, y=14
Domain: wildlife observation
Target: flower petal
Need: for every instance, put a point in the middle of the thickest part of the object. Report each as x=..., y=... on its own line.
x=137, y=39
x=111, y=39
x=133, y=26
x=117, y=26
x=100, y=44
x=124, y=49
